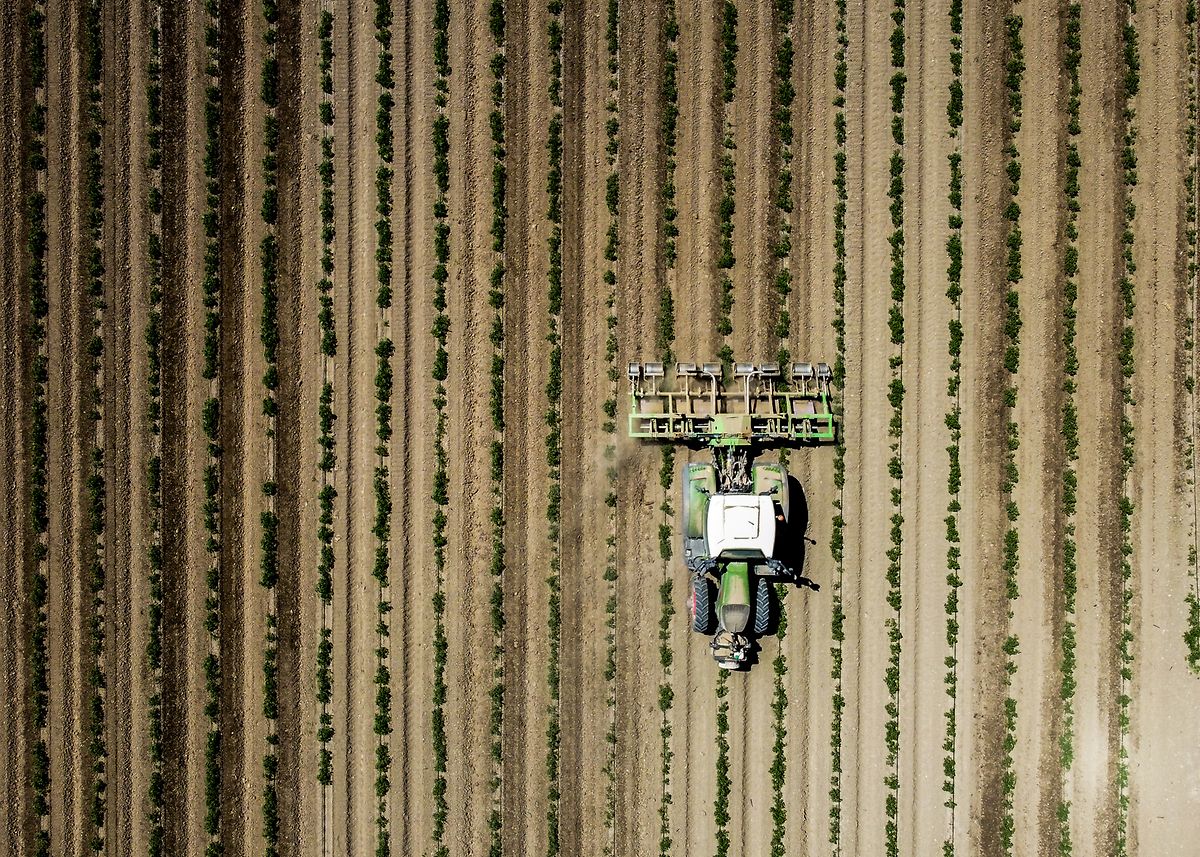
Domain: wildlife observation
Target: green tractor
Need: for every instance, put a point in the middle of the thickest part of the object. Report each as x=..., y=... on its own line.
x=735, y=512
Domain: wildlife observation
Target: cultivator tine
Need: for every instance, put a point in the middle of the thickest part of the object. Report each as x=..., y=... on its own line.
x=803, y=372
x=824, y=376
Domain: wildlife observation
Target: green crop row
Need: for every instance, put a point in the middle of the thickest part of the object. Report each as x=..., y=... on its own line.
x=727, y=203
x=895, y=427
x=1128, y=160
x=496, y=299
x=1010, y=550
x=1191, y=637
x=1072, y=57
x=210, y=424
x=326, y=443
x=153, y=472
x=269, y=337
x=39, y=308
x=666, y=657
x=96, y=795
x=554, y=148
x=384, y=383
x=954, y=254
x=441, y=333
x=665, y=331
x=612, y=199
x=837, y=536
x=785, y=95
x=724, y=782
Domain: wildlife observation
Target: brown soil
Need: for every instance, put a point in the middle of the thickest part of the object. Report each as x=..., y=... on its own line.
x=341, y=819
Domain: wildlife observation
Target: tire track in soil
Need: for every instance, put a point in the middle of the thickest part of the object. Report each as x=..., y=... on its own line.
x=696, y=292
x=867, y=507
x=1163, y=749
x=1093, y=787
x=17, y=180
x=982, y=600
x=413, y=674
x=526, y=482
x=811, y=303
x=926, y=366
x=354, y=648
x=638, y=766
x=185, y=640
x=238, y=371
x=1037, y=614
x=123, y=237
x=585, y=527
x=755, y=305
x=66, y=450
x=467, y=586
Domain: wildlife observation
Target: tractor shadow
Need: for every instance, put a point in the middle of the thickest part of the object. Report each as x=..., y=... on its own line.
x=792, y=546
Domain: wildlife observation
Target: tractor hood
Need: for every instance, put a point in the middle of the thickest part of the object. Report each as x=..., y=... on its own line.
x=741, y=526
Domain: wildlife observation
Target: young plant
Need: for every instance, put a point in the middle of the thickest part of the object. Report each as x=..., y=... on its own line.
x=837, y=537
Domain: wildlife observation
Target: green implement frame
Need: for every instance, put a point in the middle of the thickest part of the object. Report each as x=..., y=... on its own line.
x=701, y=411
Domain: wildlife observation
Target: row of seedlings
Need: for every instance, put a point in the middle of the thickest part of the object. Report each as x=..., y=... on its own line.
x=210, y=424
x=725, y=263
x=954, y=254
x=785, y=96
x=496, y=400
x=1192, y=632
x=612, y=202
x=726, y=259
x=1010, y=551
x=95, y=411
x=837, y=535
x=554, y=184
x=895, y=427
x=39, y=515
x=1072, y=57
x=154, y=499
x=384, y=381
x=1130, y=84
x=664, y=342
x=441, y=361
x=326, y=442
x=269, y=336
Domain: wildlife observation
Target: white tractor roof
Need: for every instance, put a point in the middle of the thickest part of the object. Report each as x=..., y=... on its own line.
x=741, y=526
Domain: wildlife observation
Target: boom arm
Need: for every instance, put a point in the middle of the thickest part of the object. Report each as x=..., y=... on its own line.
x=758, y=413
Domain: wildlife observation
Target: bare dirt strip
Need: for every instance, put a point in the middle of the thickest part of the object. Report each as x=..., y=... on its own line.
x=1164, y=747
x=15, y=519
x=1093, y=789
x=526, y=482
x=638, y=767
x=922, y=816
x=1037, y=613
x=866, y=431
x=414, y=585
x=696, y=293
x=585, y=718
x=468, y=583
x=355, y=640
x=811, y=305
x=185, y=640
x=67, y=461
x=126, y=527
x=982, y=599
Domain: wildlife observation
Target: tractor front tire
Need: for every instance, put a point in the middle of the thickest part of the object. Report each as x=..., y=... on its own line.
x=762, y=607
x=700, y=605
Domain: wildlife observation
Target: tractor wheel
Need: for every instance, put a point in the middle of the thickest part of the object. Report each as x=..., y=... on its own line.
x=762, y=607
x=700, y=606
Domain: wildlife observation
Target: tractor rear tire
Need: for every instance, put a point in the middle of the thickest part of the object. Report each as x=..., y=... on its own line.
x=762, y=607
x=700, y=605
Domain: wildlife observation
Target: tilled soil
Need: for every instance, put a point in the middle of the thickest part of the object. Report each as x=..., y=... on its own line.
x=663, y=795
